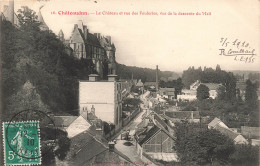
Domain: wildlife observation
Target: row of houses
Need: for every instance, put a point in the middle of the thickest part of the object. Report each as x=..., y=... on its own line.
x=186, y=94
x=155, y=138
x=191, y=94
x=246, y=136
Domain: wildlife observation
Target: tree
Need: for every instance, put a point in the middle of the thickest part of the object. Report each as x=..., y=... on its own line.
x=251, y=95
x=202, y=92
x=178, y=87
x=230, y=84
x=29, y=53
x=197, y=145
x=60, y=149
x=245, y=155
x=26, y=98
x=28, y=18
x=221, y=93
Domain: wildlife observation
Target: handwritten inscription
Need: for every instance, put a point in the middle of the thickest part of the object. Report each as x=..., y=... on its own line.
x=240, y=50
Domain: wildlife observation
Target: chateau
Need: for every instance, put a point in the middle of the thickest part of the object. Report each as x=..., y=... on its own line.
x=95, y=47
x=82, y=44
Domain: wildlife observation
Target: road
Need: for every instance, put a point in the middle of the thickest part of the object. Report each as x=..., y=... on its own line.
x=127, y=147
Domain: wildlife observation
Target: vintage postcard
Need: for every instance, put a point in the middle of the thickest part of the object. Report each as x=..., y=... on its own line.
x=134, y=82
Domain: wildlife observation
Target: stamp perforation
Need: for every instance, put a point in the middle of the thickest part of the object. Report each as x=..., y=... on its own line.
x=4, y=141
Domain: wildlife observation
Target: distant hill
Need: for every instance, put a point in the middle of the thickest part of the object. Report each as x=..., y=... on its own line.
x=145, y=74
x=245, y=72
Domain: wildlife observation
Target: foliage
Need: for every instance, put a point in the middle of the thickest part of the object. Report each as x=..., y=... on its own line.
x=40, y=58
x=177, y=84
x=233, y=114
x=197, y=145
x=251, y=95
x=132, y=101
x=62, y=146
x=209, y=75
x=245, y=155
x=130, y=104
x=221, y=93
x=202, y=92
x=145, y=74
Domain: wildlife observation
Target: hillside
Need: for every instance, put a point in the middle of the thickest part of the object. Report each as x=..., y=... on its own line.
x=146, y=74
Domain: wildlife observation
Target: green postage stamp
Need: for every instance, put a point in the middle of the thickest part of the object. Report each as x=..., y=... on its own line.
x=22, y=143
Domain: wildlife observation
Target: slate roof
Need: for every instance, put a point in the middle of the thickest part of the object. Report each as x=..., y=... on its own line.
x=139, y=83
x=212, y=86
x=215, y=122
x=150, y=84
x=145, y=134
x=226, y=131
x=105, y=42
x=160, y=121
x=182, y=114
x=90, y=150
x=167, y=89
x=93, y=40
x=64, y=121
x=148, y=134
x=96, y=152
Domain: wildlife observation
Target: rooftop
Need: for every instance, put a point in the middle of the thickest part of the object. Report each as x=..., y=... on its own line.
x=64, y=121
x=182, y=114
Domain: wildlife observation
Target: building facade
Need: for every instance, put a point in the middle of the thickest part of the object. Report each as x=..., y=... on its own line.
x=103, y=96
x=95, y=47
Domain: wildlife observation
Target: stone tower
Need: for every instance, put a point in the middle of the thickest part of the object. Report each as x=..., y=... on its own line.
x=8, y=12
x=11, y=14
x=43, y=25
x=110, y=52
x=61, y=36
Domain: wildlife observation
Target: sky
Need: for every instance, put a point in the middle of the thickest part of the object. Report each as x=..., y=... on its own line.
x=174, y=42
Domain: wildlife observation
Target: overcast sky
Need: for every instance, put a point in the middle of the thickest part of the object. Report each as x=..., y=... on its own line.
x=173, y=42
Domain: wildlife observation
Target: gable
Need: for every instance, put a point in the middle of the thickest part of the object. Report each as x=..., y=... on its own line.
x=240, y=140
x=78, y=126
x=76, y=37
x=64, y=121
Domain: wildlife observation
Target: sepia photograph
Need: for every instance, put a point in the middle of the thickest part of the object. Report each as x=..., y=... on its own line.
x=133, y=82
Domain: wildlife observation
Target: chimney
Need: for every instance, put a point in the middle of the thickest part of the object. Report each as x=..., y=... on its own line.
x=111, y=146
x=93, y=110
x=109, y=39
x=111, y=77
x=75, y=26
x=80, y=25
x=98, y=35
x=84, y=112
x=192, y=115
x=85, y=31
x=11, y=7
x=93, y=77
x=61, y=36
x=157, y=79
